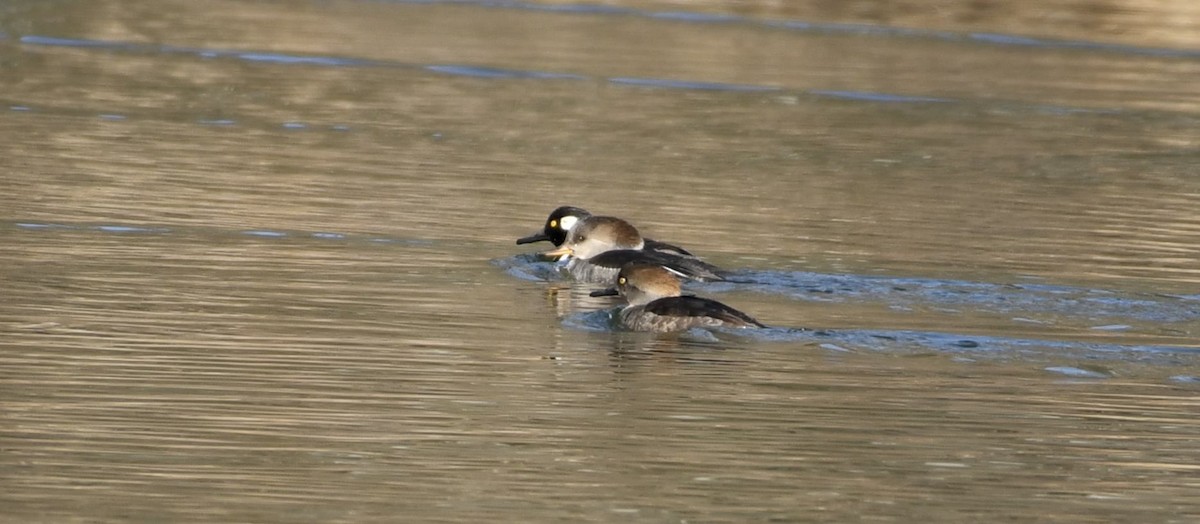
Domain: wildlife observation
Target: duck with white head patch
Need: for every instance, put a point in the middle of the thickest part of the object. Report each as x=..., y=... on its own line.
x=656, y=304
x=562, y=220
x=599, y=246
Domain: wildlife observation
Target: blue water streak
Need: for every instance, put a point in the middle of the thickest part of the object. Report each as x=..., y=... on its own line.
x=867, y=96
x=278, y=58
x=265, y=233
x=691, y=85
x=249, y=56
x=79, y=42
x=496, y=72
x=132, y=229
x=698, y=18
x=1048, y=43
x=31, y=225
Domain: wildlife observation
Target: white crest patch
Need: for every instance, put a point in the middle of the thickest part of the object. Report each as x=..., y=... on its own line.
x=567, y=223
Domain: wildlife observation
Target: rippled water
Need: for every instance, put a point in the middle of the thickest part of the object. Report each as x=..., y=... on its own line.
x=258, y=261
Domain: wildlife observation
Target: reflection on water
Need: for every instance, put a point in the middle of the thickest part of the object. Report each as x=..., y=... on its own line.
x=266, y=271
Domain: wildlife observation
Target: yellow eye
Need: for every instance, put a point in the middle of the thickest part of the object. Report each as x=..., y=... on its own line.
x=621, y=281
x=553, y=223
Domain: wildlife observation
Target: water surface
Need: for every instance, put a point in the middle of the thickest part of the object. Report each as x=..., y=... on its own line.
x=258, y=261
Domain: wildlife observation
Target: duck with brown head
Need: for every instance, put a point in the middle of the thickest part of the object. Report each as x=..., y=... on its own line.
x=656, y=303
x=599, y=246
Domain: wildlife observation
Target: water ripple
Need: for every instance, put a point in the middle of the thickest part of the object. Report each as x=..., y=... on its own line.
x=1023, y=300
x=498, y=73
x=906, y=341
x=1003, y=298
x=899, y=292
x=260, y=233
x=998, y=39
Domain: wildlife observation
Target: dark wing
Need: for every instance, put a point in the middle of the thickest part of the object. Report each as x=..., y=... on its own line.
x=687, y=267
x=617, y=259
x=654, y=245
x=689, y=306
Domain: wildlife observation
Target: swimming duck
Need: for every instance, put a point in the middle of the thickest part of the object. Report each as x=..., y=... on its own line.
x=561, y=220
x=599, y=246
x=655, y=303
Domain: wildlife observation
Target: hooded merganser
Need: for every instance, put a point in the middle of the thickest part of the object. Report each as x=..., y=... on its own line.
x=561, y=220
x=598, y=246
x=655, y=303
